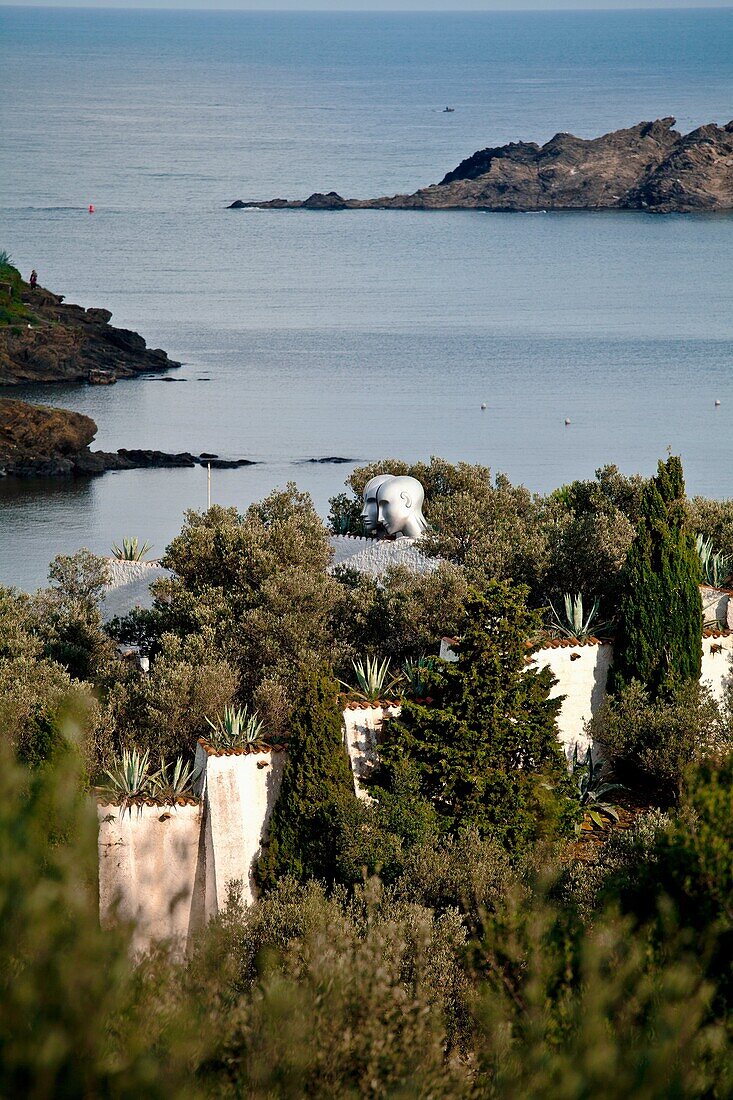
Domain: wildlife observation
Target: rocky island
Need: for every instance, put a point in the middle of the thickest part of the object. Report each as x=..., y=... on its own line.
x=650, y=166
x=44, y=339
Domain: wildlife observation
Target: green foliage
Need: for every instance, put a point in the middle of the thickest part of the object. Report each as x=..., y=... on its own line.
x=415, y=674
x=234, y=728
x=71, y=1021
x=714, y=520
x=593, y=788
x=576, y=623
x=165, y=711
x=130, y=778
x=660, y=613
x=344, y=517
x=38, y=696
x=254, y=591
x=716, y=567
x=173, y=781
x=316, y=786
x=12, y=310
x=401, y=617
x=651, y=742
x=66, y=616
x=373, y=679
x=487, y=750
x=131, y=550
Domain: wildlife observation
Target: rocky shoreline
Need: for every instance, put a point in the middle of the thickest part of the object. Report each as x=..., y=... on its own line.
x=649, y=167
x=44, y=339
x=39, y=441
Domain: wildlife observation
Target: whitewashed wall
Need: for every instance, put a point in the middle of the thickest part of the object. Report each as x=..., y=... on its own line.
x=362, y=723
x=238, y=792
x=717, y=606
x=129, y=586
x=167, y=870
x=581, y=672
x=717, y=661
x=148, y=863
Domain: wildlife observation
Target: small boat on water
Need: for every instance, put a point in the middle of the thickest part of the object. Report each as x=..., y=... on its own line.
x=448, y=110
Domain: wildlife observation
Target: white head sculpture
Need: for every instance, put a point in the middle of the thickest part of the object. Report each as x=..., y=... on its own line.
x=393, y=506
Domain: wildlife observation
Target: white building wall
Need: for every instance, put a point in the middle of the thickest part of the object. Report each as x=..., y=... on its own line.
x=717, y=661
x=239, y=792
x=581, y=672
x=362, y=724
x=148, y=859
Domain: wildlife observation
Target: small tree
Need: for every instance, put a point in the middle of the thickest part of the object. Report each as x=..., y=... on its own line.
x=317, y=786
x=486, y=750
x=660, y=620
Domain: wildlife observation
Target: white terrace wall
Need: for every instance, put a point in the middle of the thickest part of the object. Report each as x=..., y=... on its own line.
x=148, y=862
x=362, y=723
x=239, y=792
x=717, y=661
x=717, y=606
x=581, y=671
x=167, y=869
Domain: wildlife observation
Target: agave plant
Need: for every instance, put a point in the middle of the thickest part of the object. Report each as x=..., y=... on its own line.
x=131, y=550
x=174, y=781
x=414, y=675
x=236, y=727
x=592, y=788
x=372, y=676
x=130, y=778
x=716, y=567
x=576, y=623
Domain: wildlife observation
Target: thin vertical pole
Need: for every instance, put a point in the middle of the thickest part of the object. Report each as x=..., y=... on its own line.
x=208, y=485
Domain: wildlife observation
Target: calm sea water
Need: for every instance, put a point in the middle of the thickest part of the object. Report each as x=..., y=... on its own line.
x=360, y=334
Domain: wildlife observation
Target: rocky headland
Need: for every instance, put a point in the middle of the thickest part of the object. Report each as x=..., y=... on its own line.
x=44, y=339
x=650, y=166
x=39, y=441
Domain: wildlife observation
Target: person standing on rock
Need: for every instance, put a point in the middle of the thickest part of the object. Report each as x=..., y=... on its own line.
x=34, y=279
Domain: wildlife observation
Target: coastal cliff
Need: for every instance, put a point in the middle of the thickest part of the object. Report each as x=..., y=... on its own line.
x=44, y=339
x=650, y=166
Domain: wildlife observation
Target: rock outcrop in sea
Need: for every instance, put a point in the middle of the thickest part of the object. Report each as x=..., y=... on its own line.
x=650, y=166
x=39, y=441
x=44, y=339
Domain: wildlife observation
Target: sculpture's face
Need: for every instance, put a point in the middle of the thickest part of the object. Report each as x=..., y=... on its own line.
x=399, y=507
x=370, y=511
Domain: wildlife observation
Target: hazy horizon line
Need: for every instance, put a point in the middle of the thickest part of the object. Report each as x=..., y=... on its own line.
x=386, y=8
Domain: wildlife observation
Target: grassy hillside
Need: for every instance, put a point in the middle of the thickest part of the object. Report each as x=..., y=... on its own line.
x=13, y=288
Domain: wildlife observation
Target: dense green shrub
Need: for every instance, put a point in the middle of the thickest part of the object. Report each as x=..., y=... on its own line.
x=71, y=1024
x=486, y=749
x=254, y=590
x=66, y=617
x=165, y=711
x=38, y=696
x=316, y=786
x=660, y=612
x=402, y=616
x=651, y=742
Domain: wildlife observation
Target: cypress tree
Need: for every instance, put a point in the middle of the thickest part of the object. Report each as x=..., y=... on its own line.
x=660, y=614
x=486, y=749
x=317, y=785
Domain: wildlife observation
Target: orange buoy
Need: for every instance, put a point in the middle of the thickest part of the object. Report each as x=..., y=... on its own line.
x=91, y=207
